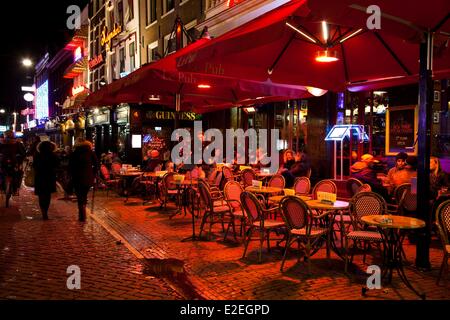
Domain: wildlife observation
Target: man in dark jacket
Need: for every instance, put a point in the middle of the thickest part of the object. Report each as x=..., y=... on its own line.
x=45, y=163
x=83, y=170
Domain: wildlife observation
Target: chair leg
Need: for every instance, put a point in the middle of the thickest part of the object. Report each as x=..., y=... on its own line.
x=307, y=253
x=365, y=248
x=205, y=216
x=288, y=241
x=346, y=255
x=268, y=240
x=248, y=236
x=261, y=243
x=444, y=266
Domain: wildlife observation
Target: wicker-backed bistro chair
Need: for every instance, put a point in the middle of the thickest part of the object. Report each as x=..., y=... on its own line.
x=256, y=217
x=364, y=204
x=324, y=186
x=248, y=175
x=214, y=212
x=232, y=192
x=302, y=186
x=301, y=228
x=443, y=226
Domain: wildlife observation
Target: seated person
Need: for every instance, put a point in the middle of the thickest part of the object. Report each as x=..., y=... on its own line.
x=197, y=173
x=299, y=168
x=398, y=174
x=151, y=161
x=438, y=178
x=364, y=171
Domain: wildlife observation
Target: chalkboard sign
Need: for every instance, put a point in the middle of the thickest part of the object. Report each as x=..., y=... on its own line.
x=401, y=130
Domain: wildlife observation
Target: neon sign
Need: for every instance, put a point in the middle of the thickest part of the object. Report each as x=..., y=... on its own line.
x=78, y=90
x=78, y=54
x=107, y=38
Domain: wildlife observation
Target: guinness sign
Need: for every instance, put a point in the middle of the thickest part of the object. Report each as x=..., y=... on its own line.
x=170, y=115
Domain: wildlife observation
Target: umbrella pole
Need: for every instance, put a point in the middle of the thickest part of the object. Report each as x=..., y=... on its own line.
x=177, y=110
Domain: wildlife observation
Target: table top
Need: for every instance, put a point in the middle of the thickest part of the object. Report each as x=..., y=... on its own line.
x=186, y=182
x=398, y=222
x=131, y=174
x=153, y=175
x=279, y=198
x=263, y=189
x=264, y=174
x=338, y=205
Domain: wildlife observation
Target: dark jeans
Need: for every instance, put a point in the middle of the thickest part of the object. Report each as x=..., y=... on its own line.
x=82, y=194
x=44, y=203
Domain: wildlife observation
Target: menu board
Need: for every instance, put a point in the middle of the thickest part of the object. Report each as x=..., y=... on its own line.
x=401, y=130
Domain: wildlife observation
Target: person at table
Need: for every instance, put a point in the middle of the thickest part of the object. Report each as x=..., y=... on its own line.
x=151, y=161
x=438, y=178
x=399, y=174
x=197, y=173
x=299, y=168
x=364, y=171
x=255, y=160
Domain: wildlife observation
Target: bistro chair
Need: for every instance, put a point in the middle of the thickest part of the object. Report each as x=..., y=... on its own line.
x=227, y=174
x=168, y=189
x=302, y=186
x=232, y=192
x=364, y=204
x=443, y=226
x=277, y=181
x=115, y=169
x=398, y=197
x=364, y=188
x=324, y=186
x=107, y=180
x=248, y=175
x=352, y=185
x=299, y=221
x=212, y=176
x=256, y=217
x=214, y=213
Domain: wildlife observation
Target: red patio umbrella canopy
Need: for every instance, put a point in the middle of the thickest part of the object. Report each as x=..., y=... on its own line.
x=160, y=82
x=282, y=46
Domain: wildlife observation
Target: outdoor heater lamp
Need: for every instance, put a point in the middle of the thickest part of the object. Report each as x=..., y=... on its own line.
x=327, y=56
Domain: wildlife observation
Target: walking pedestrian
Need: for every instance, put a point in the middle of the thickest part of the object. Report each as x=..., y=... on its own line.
x=83, y=170
x=45, y=163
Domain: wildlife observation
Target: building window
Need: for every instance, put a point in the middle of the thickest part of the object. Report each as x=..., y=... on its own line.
x=152, y=52
x=130, y=10
x=111, y=19
x=191, y=31
x=168, y=5
x=132, y=57
x=120, y=12
x=170, y=44
x=122, y=60
x=151, y=11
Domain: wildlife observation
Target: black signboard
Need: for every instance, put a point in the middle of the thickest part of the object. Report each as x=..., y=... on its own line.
x=401, y=130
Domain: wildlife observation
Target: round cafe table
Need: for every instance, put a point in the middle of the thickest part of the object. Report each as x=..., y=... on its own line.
x=331, y=209
x=125, y=179
x=277, y=199
x=182, y=187
x=265, y=191
x=389, y=226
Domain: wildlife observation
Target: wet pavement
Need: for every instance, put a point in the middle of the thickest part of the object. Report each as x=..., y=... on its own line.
x=135, y=251
x=35, y=256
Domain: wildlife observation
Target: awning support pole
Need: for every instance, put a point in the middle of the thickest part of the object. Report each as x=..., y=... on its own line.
x=424, y=152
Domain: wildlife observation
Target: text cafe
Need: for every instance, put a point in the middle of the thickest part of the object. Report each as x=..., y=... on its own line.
x=152, y=130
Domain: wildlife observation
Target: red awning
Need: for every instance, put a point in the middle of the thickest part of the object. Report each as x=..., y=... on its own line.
x=282, y=46
x=160, y=82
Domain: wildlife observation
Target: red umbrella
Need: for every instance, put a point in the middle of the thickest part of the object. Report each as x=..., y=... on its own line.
x=283, y=46
x=160, y=83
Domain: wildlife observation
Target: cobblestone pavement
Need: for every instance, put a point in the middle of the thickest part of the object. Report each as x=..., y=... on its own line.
x=217, y=270
x=35, y=255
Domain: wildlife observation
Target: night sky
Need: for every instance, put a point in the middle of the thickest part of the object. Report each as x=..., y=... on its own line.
x=29, y=29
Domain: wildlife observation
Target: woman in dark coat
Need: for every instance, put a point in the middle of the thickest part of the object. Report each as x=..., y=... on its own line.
x=83, y=170
x=45, y=163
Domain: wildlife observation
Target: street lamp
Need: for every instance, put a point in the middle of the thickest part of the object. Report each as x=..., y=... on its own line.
x=27, y=62
x=2, y=110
